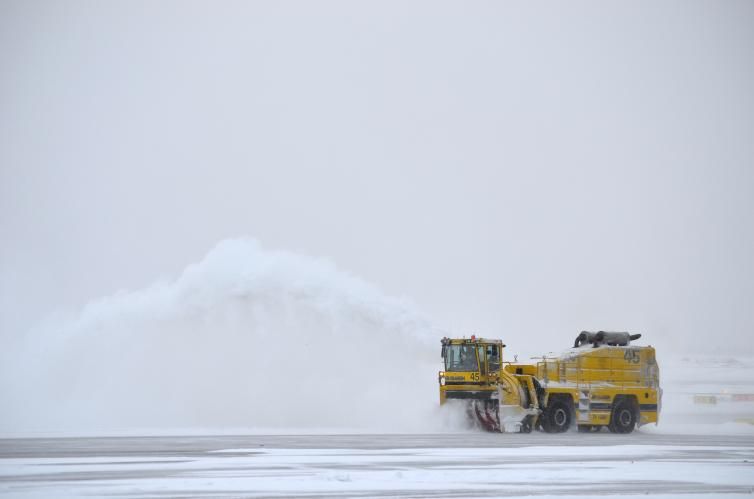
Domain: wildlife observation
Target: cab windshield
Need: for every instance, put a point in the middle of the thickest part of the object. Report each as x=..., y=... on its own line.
x=461, y=358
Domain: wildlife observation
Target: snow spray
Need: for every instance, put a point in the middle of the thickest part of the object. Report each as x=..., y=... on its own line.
x=246, y=338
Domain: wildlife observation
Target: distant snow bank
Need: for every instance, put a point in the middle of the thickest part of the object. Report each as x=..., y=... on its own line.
x=711, y=395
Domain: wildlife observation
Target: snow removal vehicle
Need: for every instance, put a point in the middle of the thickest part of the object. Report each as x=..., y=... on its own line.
x=603, y=381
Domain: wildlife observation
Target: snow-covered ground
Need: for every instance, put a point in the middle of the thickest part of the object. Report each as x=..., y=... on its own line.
x=438, y=465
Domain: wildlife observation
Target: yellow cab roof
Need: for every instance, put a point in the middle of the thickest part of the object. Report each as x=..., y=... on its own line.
x=474, y=341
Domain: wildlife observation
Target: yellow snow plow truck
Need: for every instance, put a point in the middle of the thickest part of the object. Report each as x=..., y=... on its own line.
x=603, y=381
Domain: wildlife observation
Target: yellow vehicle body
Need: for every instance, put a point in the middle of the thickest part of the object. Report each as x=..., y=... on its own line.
x=495, y=397
x=591, y=386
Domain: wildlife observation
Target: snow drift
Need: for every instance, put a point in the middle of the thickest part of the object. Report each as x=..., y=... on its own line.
x=246, y=338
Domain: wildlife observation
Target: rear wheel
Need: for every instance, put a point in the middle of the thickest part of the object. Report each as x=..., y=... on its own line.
x=557, y=417
x=623, y=418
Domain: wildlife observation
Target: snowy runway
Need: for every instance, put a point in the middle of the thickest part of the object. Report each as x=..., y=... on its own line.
x=443, y=465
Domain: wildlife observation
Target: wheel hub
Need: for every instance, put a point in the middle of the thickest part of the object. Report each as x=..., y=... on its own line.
x=560, y=417
x=625, y=417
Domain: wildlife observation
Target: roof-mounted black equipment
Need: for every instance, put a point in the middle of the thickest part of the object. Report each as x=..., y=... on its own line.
x=605, y=338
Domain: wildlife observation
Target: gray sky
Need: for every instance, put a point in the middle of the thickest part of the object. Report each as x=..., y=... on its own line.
x=514, y=169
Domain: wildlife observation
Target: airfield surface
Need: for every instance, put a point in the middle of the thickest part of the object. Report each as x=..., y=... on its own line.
x=469, y=464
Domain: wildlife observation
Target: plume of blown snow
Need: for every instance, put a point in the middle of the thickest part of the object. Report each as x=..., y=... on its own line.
x=246, y=338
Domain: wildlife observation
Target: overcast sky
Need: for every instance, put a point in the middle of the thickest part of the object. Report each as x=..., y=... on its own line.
x=514, y=169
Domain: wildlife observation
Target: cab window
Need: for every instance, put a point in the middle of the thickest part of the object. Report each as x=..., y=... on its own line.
x=493, y=357
x=461, y=358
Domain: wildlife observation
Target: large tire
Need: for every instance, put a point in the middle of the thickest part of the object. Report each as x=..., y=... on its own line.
x=624, y=416
x=557, y=416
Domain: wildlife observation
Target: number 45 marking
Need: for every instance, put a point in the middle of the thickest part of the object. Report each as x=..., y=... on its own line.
x=632, y=356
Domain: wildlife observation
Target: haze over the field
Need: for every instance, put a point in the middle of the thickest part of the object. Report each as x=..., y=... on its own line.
x=519, y=171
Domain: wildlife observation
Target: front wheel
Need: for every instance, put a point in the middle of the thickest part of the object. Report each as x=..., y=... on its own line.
x=623, y=418
x=557, y=417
